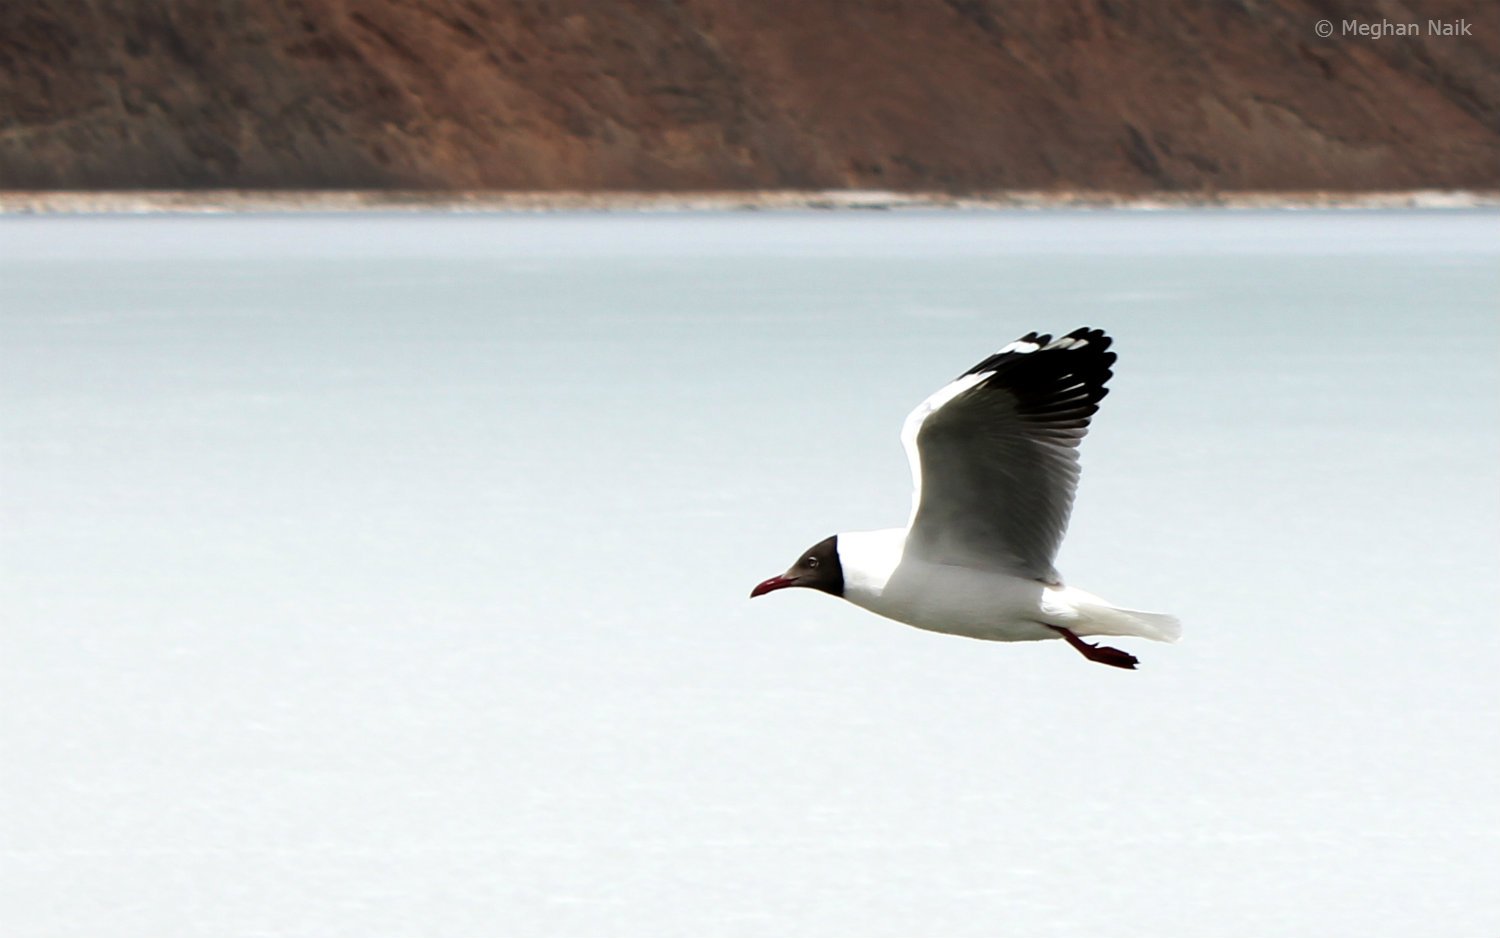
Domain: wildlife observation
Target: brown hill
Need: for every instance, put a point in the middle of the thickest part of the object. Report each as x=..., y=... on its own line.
x=747, y=94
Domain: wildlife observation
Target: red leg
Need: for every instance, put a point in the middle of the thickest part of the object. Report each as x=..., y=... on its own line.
x=1103, y=654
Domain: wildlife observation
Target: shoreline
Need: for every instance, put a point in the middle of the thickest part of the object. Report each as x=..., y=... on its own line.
x=232, y=201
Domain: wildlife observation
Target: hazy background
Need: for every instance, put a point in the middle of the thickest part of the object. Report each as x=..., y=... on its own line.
x=377, y=577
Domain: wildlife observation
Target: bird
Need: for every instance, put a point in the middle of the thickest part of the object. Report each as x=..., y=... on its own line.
x=994, y=465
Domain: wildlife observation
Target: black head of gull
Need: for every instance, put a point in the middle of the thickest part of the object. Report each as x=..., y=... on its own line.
x=818, y=568
x=994, y=459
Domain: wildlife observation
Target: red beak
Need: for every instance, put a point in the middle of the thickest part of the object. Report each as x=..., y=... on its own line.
x=774, y=583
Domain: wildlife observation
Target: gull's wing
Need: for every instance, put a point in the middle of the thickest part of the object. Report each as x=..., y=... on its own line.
x=994, y=455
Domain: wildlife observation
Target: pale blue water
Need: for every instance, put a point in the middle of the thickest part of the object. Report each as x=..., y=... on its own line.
x=387, y=576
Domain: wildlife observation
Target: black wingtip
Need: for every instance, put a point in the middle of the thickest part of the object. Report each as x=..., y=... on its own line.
x=1053, y=380
x=1092, y=344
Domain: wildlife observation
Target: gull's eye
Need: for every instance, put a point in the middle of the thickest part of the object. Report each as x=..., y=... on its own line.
x=811, y=563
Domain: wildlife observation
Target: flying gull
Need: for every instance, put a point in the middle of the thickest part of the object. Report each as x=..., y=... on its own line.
x=994, y=460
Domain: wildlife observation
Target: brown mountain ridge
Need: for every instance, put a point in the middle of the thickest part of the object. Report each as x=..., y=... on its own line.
x=703, y=95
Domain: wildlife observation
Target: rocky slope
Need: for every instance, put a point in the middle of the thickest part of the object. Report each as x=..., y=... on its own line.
x=957, y=95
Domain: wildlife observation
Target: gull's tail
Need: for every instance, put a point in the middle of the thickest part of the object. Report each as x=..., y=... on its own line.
x=1157, y=626
x=1094, y=616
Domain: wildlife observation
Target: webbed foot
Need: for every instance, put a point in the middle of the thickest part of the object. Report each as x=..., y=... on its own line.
x=1103, y=654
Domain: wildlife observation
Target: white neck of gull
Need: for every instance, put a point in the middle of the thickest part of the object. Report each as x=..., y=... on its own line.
x=868, y=559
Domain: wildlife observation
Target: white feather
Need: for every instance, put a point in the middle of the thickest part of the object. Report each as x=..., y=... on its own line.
x=913, y=426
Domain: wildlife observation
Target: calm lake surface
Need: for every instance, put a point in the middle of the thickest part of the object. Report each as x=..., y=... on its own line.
x=387, y=576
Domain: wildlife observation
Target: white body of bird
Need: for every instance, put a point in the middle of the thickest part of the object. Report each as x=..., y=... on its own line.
x=984, y=604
